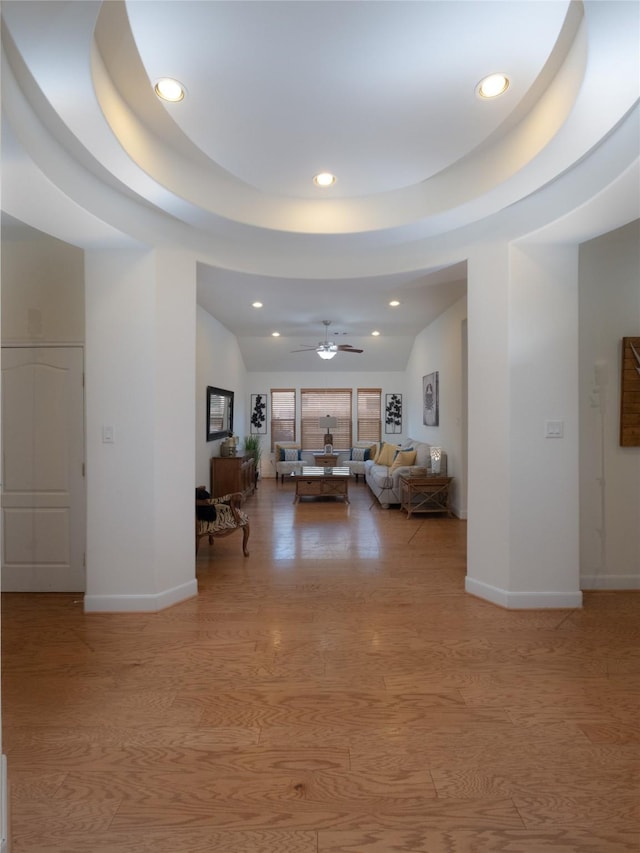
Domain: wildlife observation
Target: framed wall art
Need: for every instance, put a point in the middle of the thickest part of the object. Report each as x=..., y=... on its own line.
x=393, y=413
x=630, y=393
x=258, y=424
x=219, y=412
x=431, y=399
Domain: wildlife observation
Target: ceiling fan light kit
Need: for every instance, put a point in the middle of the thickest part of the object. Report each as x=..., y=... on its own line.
x=327, y=349
x=327, y=352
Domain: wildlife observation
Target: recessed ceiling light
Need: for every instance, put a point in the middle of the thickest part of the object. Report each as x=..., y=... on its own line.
x=324, y=179
x=169, y=89
x=275, y=334
x=257, y=304
x=394, y=303
x=493, y=85
x=375, y=334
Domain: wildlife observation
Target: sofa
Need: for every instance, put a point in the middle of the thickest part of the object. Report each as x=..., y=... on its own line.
x=355, y=458
x=393, y=461
x=289, y=458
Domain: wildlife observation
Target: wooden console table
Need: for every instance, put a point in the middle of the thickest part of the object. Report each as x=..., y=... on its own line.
x=425, y=494
x=233, y=474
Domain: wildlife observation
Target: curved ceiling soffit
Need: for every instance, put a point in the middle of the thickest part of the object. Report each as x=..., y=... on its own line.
x=157, y=194
x=290, y=255
x=505, y=169
x=493, y=176
x=52, y=151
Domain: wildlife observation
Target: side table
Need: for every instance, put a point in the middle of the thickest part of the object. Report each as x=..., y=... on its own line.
x=425, y=494
x=326, y=460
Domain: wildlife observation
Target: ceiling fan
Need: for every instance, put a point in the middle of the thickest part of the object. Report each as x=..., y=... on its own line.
x=327, y=349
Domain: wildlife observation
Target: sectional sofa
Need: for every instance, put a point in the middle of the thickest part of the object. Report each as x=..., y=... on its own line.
x=382, y=475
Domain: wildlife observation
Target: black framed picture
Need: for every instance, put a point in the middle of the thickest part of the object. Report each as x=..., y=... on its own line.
x=431, y=399
x=258, y=425
x=393, y=413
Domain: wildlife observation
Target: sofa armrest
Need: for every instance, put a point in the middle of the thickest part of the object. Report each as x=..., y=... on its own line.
x=407, y=471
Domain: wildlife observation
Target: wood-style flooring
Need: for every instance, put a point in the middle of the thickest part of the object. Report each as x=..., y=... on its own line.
x=335, y=692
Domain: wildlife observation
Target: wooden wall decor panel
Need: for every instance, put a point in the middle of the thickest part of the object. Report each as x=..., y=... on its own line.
x=630, y=393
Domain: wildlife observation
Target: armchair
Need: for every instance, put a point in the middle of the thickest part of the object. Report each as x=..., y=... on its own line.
x=218, y=517
x=287, y=466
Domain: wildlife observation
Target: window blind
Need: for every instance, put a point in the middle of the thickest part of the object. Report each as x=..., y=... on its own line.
x=317, y=403
x=369, y=401
x=283, y=415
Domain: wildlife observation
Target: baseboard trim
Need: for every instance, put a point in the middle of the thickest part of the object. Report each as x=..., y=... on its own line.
x=610, y=582
x=5, y=829
x=140, y=603
x=523, y=600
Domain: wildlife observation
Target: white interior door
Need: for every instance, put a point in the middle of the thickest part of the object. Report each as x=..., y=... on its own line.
x=43, y=497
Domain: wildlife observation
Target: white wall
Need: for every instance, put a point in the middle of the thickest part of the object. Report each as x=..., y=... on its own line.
x=543, y=471
x=609, y=299
x=523, y=369
x=440, y=347
x=140, y=363
x=218, y=363
x=42, y=290
x=488, y=406
x=390, y=382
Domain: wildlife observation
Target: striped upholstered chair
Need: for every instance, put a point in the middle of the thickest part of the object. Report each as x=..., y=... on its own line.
x=218, y=517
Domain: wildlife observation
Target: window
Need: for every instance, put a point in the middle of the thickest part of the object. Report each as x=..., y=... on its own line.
x=283, y=415
x=369, y=418
x=316, y=403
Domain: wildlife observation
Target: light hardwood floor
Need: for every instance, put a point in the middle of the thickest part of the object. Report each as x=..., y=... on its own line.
x=335, y=692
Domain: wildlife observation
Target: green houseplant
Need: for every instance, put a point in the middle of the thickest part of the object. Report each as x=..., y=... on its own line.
x=252, y=446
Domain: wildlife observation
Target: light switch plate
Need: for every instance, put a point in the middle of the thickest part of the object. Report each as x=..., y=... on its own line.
x=554, y=429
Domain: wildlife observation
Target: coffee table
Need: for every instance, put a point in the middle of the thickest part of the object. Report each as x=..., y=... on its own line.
x=317, y=482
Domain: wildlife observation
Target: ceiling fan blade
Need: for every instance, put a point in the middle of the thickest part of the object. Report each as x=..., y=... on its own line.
x=306, y=349
x=348, y=348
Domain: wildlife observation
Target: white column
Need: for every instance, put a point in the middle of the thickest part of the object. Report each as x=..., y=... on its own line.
x=523, y=543
x=139, y=385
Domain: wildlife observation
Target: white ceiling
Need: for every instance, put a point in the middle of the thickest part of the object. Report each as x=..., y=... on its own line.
x=380, y=93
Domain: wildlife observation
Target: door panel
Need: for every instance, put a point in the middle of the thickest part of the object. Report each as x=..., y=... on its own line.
x=43, y=496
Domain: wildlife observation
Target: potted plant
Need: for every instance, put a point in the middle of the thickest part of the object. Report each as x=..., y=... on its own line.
x=252, y=445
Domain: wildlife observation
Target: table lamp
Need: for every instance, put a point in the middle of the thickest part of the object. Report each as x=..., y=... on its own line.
x=327, y=423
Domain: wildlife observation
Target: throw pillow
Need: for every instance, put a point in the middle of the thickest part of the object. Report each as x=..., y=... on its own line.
x=291, y=454
x=404, y=457
x=282, y=452
x=386, y=455
x=378, y=452
x=359, y=454
x=204, y=513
